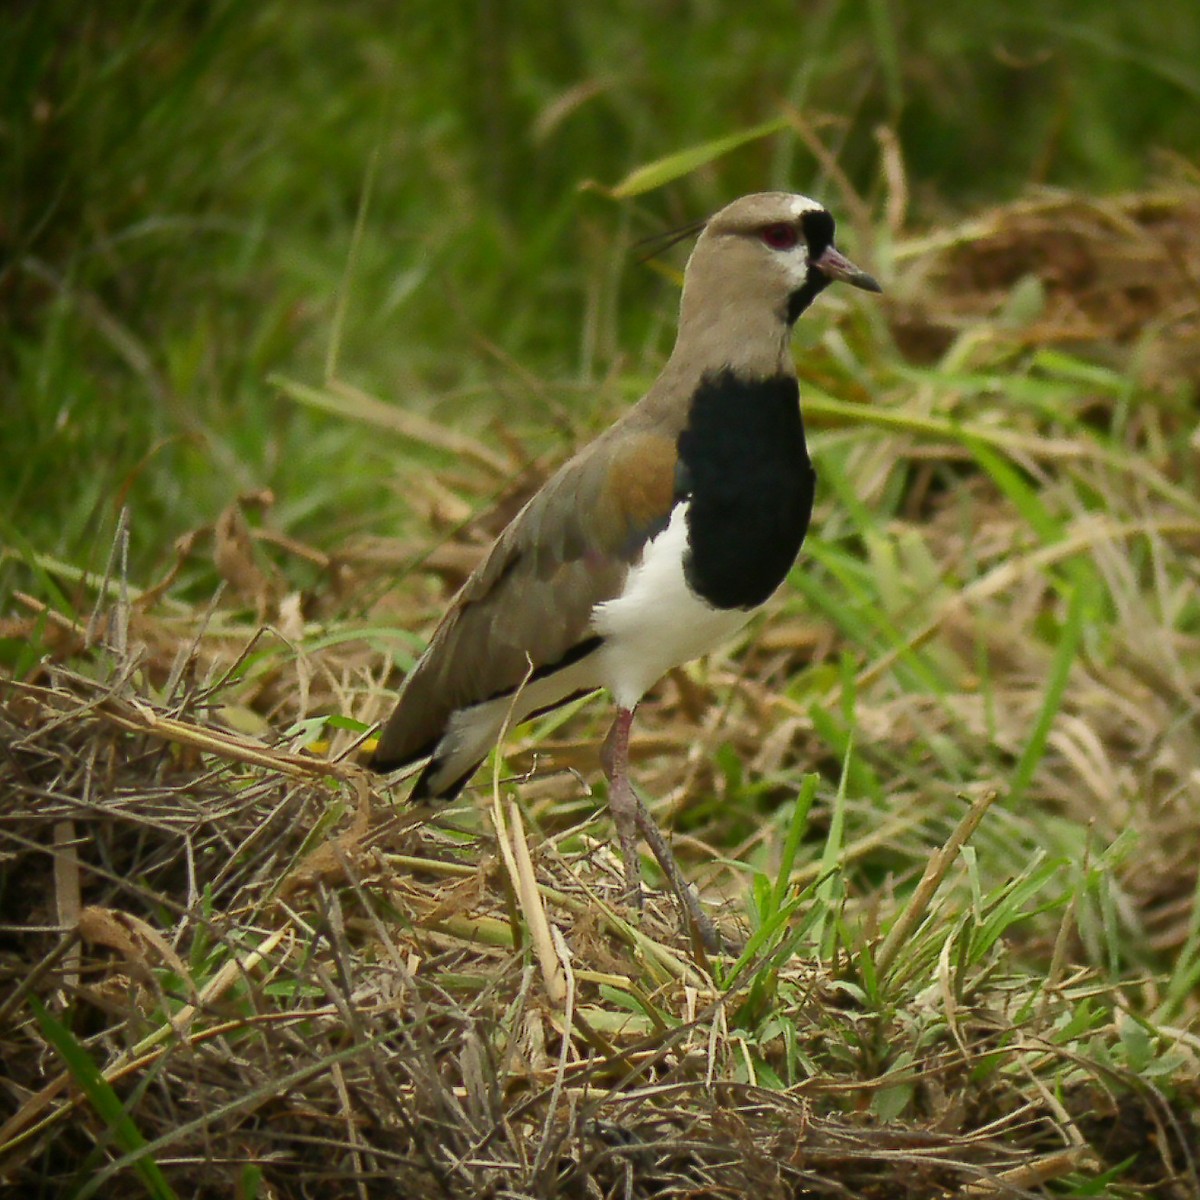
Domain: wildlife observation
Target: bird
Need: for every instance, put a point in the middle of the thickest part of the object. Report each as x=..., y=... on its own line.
x=656, y=542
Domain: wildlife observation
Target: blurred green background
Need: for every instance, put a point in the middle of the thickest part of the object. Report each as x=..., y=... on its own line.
x=182, y=184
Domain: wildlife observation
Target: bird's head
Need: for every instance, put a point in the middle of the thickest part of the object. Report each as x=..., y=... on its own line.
x=756, y=266
x=771, y=252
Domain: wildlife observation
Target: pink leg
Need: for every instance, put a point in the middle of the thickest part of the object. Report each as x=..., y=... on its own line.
x=622, y=803
x=631, y=817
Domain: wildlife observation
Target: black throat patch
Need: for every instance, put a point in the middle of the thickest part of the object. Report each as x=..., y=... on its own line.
x=744, y=467
x=815, y=283
x=818, y=229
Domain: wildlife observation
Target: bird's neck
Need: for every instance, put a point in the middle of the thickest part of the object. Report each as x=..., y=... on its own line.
x=712, y=342
x=729, y=324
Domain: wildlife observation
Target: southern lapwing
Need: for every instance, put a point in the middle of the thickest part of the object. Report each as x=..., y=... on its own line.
x=656, y=542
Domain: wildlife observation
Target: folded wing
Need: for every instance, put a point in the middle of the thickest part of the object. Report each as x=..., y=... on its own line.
x=529, y=603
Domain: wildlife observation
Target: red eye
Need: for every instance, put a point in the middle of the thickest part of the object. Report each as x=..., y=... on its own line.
x=780, y=237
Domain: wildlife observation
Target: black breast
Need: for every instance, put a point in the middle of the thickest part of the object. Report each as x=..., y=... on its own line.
x=744, y=466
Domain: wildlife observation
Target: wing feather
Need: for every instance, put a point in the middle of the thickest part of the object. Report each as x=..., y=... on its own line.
x=531, y=599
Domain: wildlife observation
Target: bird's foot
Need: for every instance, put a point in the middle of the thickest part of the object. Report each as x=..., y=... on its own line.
x=623, y=806
x=695, y=921
x=631, y=818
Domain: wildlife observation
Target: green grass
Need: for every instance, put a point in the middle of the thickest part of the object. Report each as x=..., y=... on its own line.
x=106, y=1103
x=187, y=211
x=379, y=264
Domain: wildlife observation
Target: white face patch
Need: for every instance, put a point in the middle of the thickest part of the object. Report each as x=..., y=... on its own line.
x=795, y=265
x=802, y=204
x=794, y=262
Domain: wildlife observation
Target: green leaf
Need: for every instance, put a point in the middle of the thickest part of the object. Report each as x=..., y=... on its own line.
x=1010, y=908
x=1138, y=1044
x=250, y=1183
x=796, y=828
x=102, y=1098
x=683, y=162
x=1056, y=686
x=890, y=1101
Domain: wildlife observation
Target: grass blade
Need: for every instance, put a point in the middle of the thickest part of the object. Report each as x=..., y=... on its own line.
x=102, y=1098
x=684, y=162
x=1056, y=686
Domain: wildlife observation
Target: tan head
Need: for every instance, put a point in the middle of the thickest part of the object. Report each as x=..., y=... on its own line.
x=757, y=265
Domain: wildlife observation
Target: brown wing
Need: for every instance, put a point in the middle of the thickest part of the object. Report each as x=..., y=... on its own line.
x=532, y=598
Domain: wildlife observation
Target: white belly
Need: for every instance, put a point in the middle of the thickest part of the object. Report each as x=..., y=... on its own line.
x=657, y=622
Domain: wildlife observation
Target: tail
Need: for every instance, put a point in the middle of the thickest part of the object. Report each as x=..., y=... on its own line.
x=427, y=787
x=454, y=740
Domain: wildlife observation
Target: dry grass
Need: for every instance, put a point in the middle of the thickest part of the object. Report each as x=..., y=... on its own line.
x=366, y=1008
x=287, y=984
x=1116, y=276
